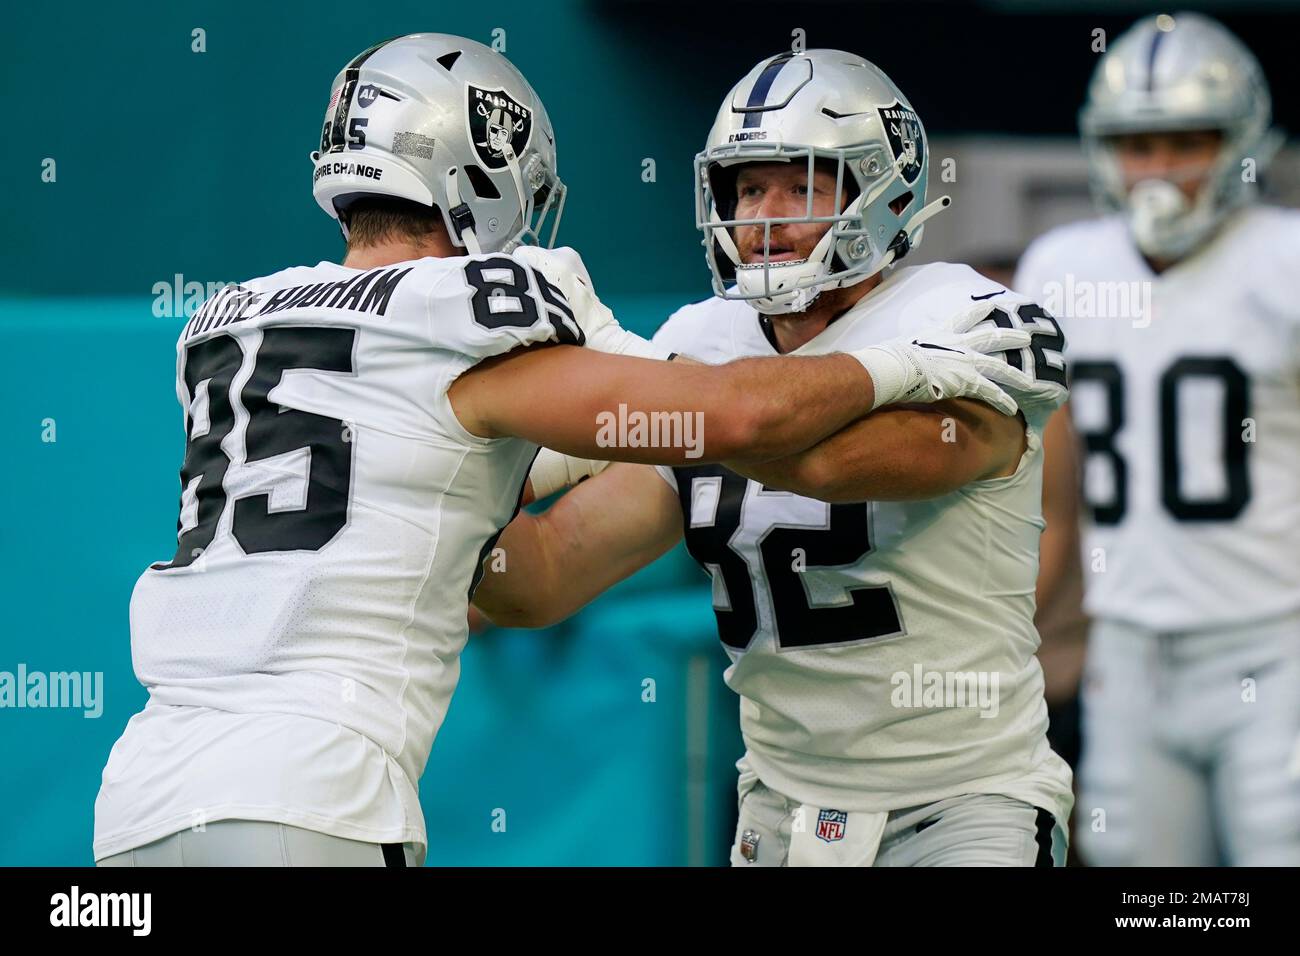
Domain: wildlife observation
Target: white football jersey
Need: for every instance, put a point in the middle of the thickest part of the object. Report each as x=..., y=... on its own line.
x=302, y=644
x=1186, y=396
x=883, y=651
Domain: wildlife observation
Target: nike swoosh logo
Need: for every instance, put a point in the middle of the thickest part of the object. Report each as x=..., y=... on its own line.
x=931, y=345
x=977, y=298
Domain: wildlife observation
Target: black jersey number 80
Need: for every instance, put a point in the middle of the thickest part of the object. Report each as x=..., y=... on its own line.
x=269, y=430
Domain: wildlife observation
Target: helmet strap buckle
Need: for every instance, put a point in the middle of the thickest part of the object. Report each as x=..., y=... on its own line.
x=462, y=218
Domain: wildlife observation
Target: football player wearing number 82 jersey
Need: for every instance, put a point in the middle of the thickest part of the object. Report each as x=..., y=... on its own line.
x=875, y=594
x=1183, y=310
x=356, y=437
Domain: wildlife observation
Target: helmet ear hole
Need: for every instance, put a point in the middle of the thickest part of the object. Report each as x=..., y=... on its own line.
x=898, y=204
x=484, y=188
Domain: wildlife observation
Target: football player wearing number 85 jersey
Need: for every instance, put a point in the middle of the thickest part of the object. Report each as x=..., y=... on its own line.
x=357, y=435
x=875, y=594
x=1183, y=311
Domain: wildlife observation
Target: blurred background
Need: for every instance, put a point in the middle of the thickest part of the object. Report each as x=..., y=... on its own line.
x=168, y=145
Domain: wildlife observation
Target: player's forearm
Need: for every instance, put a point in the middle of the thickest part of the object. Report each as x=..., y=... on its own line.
x=616, y=408
x=597, y=534
x=766, y=408
x=895, y=454
x=517, y=590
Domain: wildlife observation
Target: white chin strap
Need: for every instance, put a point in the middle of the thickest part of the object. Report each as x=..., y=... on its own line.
x=467, y=235
x=525, y=199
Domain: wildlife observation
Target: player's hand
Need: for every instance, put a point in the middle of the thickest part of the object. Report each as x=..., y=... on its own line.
x=1033, y=393
x=563, y=268
x=943, y=365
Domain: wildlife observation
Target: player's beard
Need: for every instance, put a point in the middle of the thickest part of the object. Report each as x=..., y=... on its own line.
x=749, y=242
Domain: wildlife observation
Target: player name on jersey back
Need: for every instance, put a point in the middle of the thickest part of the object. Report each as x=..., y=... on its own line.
x=369, y=292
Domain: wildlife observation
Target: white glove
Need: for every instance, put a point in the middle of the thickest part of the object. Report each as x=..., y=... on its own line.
x=1040, y=396
x=553, y=470
x=564, y=269
x=942, y=365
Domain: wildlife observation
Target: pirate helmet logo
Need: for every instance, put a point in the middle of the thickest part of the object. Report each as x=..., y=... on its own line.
x=497, y=120
x=903, y=129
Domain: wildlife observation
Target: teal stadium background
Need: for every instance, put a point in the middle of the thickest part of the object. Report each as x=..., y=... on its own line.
x=171, y=162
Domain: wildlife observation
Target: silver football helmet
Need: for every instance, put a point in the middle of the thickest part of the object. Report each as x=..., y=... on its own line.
x=447, y=122
x=801, y=108
x=1167, y=73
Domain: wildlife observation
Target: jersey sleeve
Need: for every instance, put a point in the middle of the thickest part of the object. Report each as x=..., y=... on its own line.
x=482, y=306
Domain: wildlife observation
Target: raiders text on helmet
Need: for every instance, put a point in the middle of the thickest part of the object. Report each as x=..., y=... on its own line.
x=447, y=122
x=1184, y=72
x=801, y=108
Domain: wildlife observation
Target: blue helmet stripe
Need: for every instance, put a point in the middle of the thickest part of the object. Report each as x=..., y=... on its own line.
x=758, y=95
x=1151, y=59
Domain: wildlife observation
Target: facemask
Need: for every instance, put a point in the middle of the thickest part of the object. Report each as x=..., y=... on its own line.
x=1164, y=223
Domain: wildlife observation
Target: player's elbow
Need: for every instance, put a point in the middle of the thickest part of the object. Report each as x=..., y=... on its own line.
x=816, y=476
x=529, y=614
x=735, y=430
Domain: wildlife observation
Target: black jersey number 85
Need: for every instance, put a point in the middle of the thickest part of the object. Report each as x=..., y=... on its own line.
x=268, y=430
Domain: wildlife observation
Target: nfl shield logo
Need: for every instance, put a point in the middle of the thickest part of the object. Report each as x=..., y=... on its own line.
x=830, y=825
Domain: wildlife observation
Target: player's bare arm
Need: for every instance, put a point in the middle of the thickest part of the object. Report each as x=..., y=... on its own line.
x=555, y=396
x=599, y=533
x=751, y=409
x=901, y=454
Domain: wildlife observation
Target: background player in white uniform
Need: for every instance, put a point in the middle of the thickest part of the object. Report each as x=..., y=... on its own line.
x=1183, y=313
x=876, y=593
x=358, y=436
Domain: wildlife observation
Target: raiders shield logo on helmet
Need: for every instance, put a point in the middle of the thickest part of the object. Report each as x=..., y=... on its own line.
x=497, y=120
x=903, y=128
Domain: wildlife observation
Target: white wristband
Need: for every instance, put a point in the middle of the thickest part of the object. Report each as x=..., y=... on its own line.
x=895, y=379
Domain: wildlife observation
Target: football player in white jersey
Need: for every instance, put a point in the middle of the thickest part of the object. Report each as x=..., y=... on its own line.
x=875, y=594
x=1182, y=307
x=357, y=436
